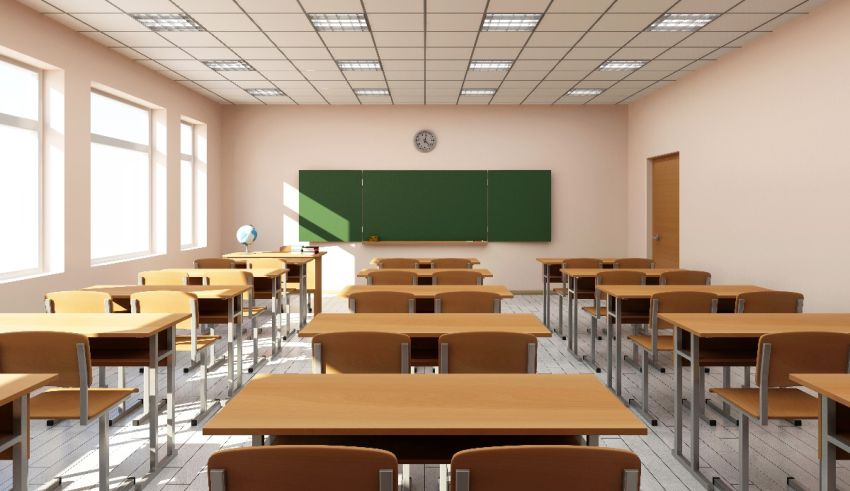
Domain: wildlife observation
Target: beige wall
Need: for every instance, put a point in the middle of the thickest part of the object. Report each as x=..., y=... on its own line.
x=765, y=172
x=85, y=62
x=584, y=146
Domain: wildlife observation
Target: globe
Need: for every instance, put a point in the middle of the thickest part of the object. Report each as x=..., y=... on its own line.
x=246, y=235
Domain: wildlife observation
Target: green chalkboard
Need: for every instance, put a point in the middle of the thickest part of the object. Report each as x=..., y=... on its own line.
x=520, y=203
x=330, y=206
x=425, y=205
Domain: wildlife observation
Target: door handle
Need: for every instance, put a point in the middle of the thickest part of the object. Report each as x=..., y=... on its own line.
x=656, y=237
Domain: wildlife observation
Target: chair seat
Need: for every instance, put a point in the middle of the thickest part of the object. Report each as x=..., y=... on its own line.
x=562, y=292
x=257, y=310
x=603, y=311
x=65, y=403
x=782, y=403
x=184, y=343
x=665, y=343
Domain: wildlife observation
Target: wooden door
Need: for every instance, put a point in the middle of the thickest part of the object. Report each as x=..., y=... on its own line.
x=664, y=232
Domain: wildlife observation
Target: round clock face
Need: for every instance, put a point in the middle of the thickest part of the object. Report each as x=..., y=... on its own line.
x=425, y=141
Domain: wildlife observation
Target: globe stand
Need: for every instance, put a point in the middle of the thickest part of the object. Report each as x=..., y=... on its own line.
x=246, y=248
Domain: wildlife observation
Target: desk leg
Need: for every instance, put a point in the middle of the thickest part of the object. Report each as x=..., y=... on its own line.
x=302, y=299
x=610, y=345
x=275, y=307
x=238, y=359
x=20, y=458
x=828, y=411
x=697, y=396
x=619, y=327
x=171, y=416
x=153, y=355
x=546, y=295
x=677, y=393
x=230, y=336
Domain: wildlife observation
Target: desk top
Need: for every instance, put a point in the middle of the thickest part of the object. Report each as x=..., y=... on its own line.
x=592, y=272
x=646, y=291
x=558, y=260
x=289, y=257
x=425, y=325
x=15, y=385
x=755, y=325
x=835, y=386
x=422, y=260
x=93, y=325
x=201, y=291
x=427, y=291
x=425, y=271
x=455, y=404
x=258, y=272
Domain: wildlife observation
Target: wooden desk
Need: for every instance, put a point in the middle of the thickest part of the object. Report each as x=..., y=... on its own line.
x=617, y=293
x=212, y=301
x=416, y=408
x=304, y=266
x=424, y=262
x=696, y=334
x=834, y=391
x=126, y=339
x=15, y=389
x=425, y=329
x=425, y=294
x=425, y=273
x=552, y=273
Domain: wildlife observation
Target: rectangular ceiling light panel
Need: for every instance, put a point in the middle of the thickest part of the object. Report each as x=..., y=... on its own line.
x=490, y=65
x=168, y=22
x=682, y=22
x=339, y=22
x=621, y=65
x=510, y=22
x=265, y=92
x=477, y=91
x=359, y=65
x=229, y=65
x=372, y=91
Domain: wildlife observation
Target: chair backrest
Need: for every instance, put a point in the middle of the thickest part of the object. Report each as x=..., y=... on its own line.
x=397, y=263
x=77, y=302
x=685, y=277
x=488, y=352
x=467, y=303
x=215, y=263
x=582, y=263
x=284, y=248
x=361, y=352
x=381, y=302
x=163, y=278
x=302, y=467
x=63, y=353
x=167, y=302
x=768, y=302
x=620, y=278
x=681, y=303
x=634, y=263
x=390, y=277
x=782, y=354
x=458, y=277
x=229, y=277
x=266, y=263
x=545, y=468
x=451, y=263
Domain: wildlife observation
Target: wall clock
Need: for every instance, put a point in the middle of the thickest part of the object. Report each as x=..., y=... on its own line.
x=425, y=140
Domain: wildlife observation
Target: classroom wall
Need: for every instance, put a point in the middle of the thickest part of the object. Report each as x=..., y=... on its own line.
x=85, y=62
x=585, y=147
x=764, y=162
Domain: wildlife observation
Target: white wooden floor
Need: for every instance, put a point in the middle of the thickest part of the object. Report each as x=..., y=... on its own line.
x=777, y=450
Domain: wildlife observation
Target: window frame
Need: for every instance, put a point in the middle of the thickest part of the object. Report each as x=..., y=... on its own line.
x=26, y=124
x=127, y=145
x=194, y=161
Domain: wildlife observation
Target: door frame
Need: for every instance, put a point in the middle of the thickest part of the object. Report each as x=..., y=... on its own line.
x=649, y=224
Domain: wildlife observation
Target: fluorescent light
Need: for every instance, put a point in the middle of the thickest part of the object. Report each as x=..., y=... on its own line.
x=584, y=92
x=168, y=22
x=339, y=22
x=359, y=65
x=682, y=22
x=477, y=91
x=229, y=65
x=510, y=22
x=372, y=91
x=490, y=65
x=621, y=65
x=265, y=92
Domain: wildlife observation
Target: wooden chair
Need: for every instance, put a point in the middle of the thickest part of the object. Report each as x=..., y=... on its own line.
x=284, y=249
x=685, y=277
x=597, y=311
x=488, y=352
x=652, y=344
x=262, y=288
x=163, y=278
x=467, y=303
x=69, y=356
x=172, y=302
x=381, y=303
x=545, y=468
x=237, y=278
x=215, y=263
x=634, y=263
x=451, y=263
x=397, y=263
x=776, y=396
x=390, y=277
x=361, y=352
x=769, y=302
x=582, y=289
x=459, y=277
x=303, y=467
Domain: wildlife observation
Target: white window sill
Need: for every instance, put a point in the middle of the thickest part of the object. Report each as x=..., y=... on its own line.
x=125, y=259
x=29, y=276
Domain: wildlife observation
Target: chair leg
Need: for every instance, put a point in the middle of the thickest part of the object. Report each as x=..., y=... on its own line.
x=561, y=315
x=101, y=377
x=744, y=449
x=103, y=451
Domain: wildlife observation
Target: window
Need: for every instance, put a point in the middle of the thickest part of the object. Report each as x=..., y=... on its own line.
x=21, y=170
x=193, y=186
x=121, y=190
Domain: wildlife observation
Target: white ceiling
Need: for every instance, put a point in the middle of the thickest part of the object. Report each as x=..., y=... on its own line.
x=424, y=45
